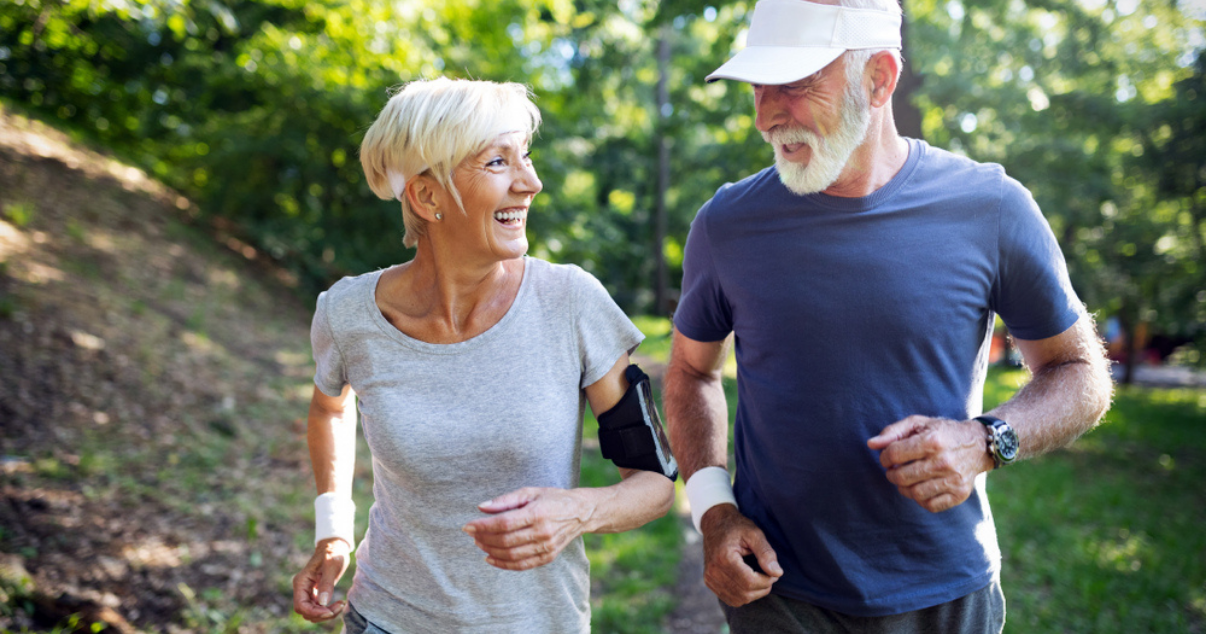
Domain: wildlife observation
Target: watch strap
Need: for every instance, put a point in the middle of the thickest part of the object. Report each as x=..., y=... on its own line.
x=991, y=423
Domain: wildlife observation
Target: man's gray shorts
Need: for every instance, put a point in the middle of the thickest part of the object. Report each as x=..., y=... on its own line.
x=981, y=612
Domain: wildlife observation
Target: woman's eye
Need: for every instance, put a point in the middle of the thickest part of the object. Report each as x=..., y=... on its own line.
x=527, y=156
x=497, y=162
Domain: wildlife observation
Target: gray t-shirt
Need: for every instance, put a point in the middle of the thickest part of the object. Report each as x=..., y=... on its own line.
x=452, y=425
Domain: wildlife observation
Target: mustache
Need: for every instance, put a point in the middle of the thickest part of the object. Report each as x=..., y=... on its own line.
x=783, y=135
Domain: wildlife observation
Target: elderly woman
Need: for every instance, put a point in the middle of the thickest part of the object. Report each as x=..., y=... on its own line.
x=471, y=365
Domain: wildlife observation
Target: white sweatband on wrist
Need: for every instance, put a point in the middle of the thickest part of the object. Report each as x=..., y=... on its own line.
x=334, y=516
x=707, y=488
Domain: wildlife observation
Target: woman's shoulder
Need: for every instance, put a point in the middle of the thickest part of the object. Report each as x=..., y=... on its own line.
x=349, y=289
x=565, y=277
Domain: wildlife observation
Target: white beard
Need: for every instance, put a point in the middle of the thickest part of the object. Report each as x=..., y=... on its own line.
x=829, y=153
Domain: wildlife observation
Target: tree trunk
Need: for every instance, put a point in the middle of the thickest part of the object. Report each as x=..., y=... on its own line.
x=1129, y=326
x=661, y=293
x=908, y=116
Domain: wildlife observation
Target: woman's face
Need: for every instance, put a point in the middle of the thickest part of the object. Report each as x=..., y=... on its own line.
x=497, y=186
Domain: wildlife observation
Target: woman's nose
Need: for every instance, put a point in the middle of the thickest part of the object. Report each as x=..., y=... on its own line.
x=529, y=182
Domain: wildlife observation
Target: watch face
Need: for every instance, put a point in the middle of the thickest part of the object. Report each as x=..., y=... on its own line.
x=1007, y=442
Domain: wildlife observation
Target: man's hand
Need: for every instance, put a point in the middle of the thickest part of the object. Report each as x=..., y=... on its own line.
x=730, y=536
x=933, y=461
x=528, y=528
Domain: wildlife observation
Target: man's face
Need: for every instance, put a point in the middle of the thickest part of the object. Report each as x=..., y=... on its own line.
x=814, y=125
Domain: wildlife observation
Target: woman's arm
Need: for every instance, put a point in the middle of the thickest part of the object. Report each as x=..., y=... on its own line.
x=530, y=527
x=331, y=436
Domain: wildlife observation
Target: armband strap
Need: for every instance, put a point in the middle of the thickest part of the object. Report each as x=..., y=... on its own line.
x=631, y=434
x=334, y=516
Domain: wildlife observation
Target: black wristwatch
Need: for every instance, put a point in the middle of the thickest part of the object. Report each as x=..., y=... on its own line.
x=1002, y=441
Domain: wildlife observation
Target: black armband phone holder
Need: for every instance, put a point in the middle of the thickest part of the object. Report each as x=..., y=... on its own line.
x=631, y=434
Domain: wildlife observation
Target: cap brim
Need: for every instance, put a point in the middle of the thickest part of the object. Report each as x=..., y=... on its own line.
x=775, y=65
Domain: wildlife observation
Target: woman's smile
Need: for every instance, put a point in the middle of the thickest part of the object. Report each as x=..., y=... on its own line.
x=513, y=217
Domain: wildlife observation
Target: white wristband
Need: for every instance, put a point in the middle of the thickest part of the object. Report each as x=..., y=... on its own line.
x=707, y=488
x=334, y=516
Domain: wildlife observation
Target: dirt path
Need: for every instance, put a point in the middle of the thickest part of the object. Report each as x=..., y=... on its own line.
x=698, y=611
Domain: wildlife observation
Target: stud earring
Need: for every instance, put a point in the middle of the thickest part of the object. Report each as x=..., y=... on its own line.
x=439, y=216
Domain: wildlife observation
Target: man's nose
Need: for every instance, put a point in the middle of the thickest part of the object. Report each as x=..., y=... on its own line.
x=768, y=108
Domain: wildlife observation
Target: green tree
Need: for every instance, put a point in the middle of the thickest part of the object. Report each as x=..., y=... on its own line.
x=1164, y=278
x=256, y=108
x=1060, y=92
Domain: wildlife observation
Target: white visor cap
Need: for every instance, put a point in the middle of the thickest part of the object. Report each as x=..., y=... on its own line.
x=789, y=40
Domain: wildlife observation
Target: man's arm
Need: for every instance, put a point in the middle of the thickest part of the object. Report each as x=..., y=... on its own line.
x=935, y=461
x=1069, y=392
x=697, y=422
x=697, y=415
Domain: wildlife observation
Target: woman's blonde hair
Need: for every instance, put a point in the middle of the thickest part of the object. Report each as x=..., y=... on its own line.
x=430, y=126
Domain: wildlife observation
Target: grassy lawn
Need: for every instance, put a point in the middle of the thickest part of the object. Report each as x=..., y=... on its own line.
x=632, y=574
x=1110, y=534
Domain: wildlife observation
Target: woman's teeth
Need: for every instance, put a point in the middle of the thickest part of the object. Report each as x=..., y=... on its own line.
x=508, y=216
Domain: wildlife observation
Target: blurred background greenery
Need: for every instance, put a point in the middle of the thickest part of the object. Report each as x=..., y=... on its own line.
x=255, y=109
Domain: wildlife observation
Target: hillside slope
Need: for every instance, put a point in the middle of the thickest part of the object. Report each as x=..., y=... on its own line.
x=153, y=385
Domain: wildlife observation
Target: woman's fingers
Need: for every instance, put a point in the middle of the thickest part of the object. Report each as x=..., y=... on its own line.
x=522, y=564
x=305, y=598
x=314, y=586
x=509, y=501
x=539, y=524
x=530, y=548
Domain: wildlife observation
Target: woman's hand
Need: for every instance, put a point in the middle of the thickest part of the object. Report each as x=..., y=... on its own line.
x=314, y=585
x=530, y=527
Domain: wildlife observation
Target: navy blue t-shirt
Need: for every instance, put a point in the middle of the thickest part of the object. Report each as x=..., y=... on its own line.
x=850, y=314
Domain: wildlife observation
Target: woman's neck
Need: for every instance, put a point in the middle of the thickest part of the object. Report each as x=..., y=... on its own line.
x=439, y=301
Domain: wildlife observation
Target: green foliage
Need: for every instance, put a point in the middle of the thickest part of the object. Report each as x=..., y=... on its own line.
x=1079, y=101
x=256, y=108
x=1170, y=156
x=20, y=214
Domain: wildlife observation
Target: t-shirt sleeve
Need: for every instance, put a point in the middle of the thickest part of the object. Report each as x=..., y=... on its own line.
x=330, y=375
x=604, y=331
x=1033, y=293
x=704, y=313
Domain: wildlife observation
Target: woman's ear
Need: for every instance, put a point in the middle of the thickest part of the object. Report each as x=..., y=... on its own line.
x=424, y=195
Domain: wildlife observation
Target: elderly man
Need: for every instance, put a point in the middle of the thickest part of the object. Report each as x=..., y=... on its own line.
x=860, y=276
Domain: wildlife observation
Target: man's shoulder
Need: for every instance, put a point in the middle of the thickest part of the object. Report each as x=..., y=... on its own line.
x=948, y=175
x=731, y=196
x=951, y=165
